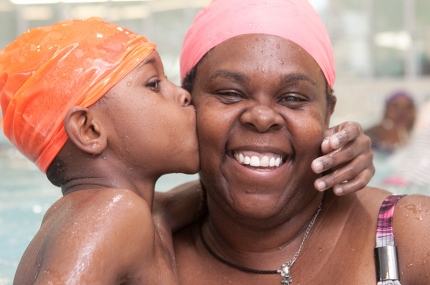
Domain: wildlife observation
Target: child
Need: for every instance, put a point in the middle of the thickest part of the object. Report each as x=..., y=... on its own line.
x=89, y=103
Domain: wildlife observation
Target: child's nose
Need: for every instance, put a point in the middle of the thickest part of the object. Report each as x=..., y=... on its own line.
x=184, y=97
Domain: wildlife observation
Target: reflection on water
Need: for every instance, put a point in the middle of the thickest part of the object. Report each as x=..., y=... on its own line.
x=25, y=195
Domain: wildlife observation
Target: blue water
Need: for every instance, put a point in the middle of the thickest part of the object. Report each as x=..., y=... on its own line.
x=25, y=195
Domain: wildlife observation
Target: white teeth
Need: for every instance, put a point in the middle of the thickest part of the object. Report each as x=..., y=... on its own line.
x=272, y=162
x=264, y=161
x=241, y=158
x=255, y=161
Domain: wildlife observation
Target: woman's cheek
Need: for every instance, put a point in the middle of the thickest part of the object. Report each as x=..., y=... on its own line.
x=309, y=131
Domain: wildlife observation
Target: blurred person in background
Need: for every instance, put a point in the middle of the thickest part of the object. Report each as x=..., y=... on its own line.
x=411, y=173
x=394, y=129
x=391, y=134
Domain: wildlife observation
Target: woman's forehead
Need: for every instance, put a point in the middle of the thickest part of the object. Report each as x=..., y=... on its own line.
x=266, y=53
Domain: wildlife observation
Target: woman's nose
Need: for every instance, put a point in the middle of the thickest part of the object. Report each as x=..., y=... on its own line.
x=262, y=118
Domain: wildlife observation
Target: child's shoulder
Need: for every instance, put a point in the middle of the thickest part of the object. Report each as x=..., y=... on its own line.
x=90, y=228
x=105, y=212
x=98, y=204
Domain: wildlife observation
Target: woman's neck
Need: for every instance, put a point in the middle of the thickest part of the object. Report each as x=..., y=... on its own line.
x=259, y=244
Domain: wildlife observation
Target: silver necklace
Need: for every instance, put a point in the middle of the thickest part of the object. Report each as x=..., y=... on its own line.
x=285, y=268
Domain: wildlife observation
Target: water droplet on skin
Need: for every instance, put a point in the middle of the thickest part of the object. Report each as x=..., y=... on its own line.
x=409, y=265
x=414, y=208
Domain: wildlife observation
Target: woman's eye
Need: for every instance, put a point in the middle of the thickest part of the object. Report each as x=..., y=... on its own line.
x=154, y=84
x=291, y=100
x=229, y=96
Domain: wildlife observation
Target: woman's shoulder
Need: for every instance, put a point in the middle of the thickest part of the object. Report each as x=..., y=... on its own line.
x=370, y=198
x=411, y=226
x=413, y=211
x=410, y=218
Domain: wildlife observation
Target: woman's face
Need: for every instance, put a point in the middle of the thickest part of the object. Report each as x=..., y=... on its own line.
x=261, y=114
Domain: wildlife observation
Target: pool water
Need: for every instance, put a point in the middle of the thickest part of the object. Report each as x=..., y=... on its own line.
x=25, y=195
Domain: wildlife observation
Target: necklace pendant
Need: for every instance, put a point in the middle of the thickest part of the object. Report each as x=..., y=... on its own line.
x=285, y=274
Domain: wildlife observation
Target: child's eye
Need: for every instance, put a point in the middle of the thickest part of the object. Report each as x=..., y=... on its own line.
x=154, y=84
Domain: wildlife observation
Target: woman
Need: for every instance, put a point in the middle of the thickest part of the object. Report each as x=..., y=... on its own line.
x=261, y=81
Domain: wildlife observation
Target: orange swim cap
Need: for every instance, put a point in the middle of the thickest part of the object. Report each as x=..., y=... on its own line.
x=48, y=70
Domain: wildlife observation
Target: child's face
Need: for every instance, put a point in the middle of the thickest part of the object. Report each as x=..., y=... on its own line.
x=153, y=125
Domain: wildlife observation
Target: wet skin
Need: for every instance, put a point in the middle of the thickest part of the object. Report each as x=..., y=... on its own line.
x=142, y=128
x=149, y=112
x=261, y=95
x=273, y=105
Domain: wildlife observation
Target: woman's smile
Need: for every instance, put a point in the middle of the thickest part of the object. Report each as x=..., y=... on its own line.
x=260, y=123
x=259, y=160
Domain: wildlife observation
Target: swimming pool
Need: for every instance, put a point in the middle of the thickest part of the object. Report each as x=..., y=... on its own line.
x=25, y=195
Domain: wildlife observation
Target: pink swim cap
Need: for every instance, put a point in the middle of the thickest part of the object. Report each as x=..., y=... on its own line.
x=295, y=20
x=48, y=70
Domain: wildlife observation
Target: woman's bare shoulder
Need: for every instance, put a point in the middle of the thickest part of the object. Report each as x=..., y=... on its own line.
x=411, y=226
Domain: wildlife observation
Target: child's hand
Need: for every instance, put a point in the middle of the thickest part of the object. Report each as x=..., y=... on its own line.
x=347, y=158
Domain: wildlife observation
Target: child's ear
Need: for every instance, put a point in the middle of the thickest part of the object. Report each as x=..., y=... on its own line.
x=84, y=130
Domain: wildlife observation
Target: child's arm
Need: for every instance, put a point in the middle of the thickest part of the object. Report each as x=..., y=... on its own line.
x=179, y=207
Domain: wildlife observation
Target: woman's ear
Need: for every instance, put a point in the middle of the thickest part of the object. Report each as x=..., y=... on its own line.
x=85, y=130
